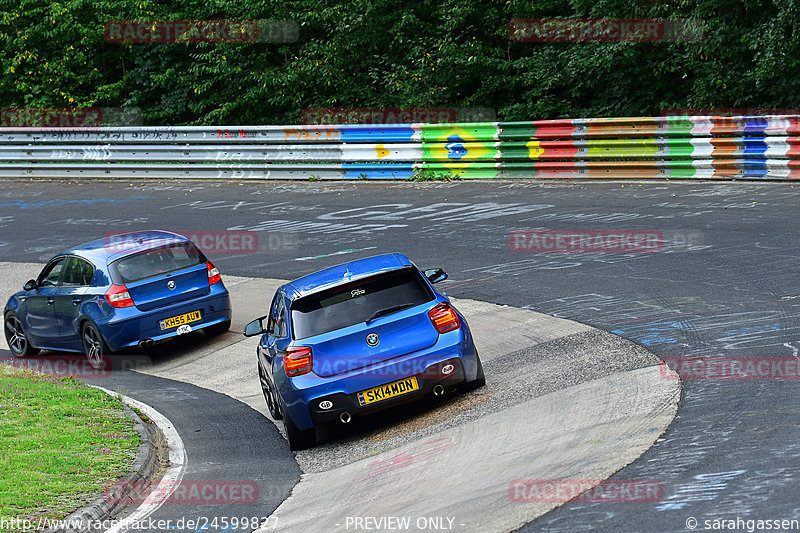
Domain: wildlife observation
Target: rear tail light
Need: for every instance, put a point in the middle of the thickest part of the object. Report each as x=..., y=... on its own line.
x=213, y=274
x=118, y=296
x=444, y=318
x=297, y=361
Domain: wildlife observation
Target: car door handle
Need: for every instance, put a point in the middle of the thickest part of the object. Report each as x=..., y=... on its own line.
x=50, y=301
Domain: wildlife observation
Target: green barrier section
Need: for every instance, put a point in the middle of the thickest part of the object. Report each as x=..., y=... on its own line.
x=628, y=148
x=462, y=170
x=456, y=149
x=466, y=132
x=459, y=151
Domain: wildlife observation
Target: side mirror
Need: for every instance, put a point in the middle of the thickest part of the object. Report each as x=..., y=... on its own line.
x=435, y=275
x=30, y=285
x=254, y=328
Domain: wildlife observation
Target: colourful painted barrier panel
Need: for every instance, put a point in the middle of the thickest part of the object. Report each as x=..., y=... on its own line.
x=685, y=147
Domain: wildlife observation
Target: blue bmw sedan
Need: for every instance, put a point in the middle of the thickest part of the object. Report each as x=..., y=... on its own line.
x=122, y=291
x=357, y=338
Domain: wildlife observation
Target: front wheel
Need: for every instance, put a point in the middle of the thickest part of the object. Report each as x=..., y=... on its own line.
x=94, y=346
x=298, y=439
x=16, y=338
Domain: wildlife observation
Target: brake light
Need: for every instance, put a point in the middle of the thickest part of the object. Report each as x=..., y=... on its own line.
x=444, y=318
x=213, y=274
x=297, y=361
x=118, y=296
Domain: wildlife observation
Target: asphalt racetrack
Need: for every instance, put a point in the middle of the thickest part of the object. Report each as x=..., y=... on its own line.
x=723, y=283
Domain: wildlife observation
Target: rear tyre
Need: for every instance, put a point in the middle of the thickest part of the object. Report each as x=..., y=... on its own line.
x=218, y=329
x=266, y=388
x=298, y=440
x=16, y=338
x=480, y=378
x=94, y=346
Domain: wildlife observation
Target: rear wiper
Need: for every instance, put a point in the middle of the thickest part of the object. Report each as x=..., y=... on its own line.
x=388, y=311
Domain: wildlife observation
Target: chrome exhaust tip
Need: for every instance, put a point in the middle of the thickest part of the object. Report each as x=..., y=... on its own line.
x=146, y=343
x=438, y=390
x=345, y=418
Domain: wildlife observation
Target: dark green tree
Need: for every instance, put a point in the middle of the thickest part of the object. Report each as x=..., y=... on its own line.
x=359, y=53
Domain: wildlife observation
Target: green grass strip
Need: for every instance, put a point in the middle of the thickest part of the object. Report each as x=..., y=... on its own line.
x=61, y=443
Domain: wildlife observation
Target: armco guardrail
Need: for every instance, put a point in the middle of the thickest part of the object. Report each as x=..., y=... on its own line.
x=747, y=147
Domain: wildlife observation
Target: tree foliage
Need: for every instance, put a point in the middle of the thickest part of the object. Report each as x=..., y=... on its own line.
x=380, y=53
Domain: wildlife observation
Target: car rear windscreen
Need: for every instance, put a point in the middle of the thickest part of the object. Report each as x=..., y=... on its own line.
x=357, y=302
x=156, y=261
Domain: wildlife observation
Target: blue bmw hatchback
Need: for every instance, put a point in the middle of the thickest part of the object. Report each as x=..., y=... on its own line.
x=359, y=337
x=126, y=290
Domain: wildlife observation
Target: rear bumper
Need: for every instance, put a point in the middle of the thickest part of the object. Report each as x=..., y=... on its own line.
x=302, y=395
x=128, y=329
x=349, y=403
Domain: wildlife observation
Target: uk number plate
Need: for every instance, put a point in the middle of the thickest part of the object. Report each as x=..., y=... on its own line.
x=390, y=390
x=175, y=321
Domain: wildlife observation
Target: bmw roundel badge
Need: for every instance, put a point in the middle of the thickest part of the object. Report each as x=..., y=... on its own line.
x=373, y=339
x=171, y=284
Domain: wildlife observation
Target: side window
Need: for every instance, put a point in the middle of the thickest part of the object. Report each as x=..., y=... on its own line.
x=280, y=320
x=277, y=318
x=77, y=273
x=273, y=312
x=88, y=273
x=51, y=273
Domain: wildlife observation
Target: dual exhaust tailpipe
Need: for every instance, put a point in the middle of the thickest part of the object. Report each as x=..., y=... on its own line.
x=146, y=343
x=345, y=417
